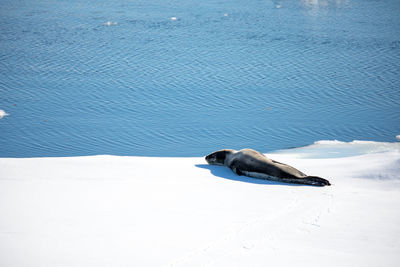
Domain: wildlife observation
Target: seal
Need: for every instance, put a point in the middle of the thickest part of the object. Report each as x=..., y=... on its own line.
x=252, y=163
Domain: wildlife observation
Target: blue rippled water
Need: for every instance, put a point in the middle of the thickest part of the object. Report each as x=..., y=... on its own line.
x=184, y=77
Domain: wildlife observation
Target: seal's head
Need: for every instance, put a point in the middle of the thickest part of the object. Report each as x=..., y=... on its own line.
x=219, y=157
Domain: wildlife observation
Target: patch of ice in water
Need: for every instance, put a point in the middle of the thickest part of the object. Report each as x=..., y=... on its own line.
x=398, y=137
x=3, y=113
x=109, y=23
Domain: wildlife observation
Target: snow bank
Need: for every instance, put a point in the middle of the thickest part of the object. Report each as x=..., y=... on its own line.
x=136, y=211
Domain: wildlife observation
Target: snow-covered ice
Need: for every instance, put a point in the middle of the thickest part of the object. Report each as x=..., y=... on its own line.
x=137, y=211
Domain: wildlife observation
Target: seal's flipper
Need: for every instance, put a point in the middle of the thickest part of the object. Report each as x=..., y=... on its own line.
x=237, y=171
x=234, y=167
x=315, y=180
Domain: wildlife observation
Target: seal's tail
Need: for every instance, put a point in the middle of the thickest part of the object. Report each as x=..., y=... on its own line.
x=315, y=180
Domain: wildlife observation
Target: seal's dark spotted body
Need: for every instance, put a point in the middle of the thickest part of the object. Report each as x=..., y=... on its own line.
x=251, y=163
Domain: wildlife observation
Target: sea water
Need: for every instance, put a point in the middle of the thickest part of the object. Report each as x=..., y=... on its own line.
x=185, y=77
